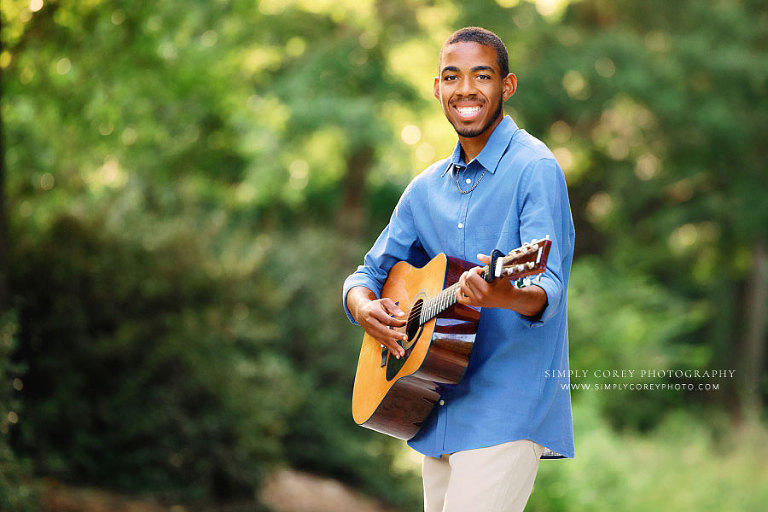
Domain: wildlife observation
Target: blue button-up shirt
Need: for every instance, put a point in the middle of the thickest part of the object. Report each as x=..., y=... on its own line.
x=508, y=392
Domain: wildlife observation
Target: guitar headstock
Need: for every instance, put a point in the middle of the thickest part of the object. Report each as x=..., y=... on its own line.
x=527, y=260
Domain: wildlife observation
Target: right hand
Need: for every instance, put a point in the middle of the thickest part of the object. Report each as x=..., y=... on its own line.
x=382, y=319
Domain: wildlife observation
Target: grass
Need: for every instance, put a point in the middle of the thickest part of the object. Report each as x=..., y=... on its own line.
x=686, y=464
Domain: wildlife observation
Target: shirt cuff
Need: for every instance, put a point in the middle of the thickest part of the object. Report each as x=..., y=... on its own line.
x=352, y=281
x=550, y=308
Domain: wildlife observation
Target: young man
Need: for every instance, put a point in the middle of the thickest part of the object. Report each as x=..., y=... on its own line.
x=500, y=188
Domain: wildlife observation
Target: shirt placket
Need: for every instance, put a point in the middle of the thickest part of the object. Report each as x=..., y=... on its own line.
x=442, y=425
x=466, y=180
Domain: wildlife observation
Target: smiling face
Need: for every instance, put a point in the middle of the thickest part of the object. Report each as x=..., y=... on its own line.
x=471, y=90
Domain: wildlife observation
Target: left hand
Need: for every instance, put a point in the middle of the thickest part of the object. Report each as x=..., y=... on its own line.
x=474, y=290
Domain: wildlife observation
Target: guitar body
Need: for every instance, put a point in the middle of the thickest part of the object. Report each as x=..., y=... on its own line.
x=395, y=396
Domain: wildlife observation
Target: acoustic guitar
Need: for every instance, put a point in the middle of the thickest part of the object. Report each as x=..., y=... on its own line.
x=395, y=396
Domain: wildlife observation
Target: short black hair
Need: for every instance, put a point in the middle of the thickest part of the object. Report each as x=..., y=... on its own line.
x=484, y=37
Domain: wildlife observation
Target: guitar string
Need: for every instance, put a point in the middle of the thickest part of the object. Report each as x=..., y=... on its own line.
x=447, y=298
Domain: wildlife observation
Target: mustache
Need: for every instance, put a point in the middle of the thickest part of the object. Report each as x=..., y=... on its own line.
x=468, y=98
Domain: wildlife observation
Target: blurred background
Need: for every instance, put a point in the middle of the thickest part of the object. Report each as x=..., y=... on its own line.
x=185, y=185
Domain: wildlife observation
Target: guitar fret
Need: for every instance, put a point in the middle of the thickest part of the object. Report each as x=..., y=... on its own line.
x=437, y=304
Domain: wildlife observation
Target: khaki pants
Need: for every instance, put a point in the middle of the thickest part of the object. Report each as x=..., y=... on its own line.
x=494, y=479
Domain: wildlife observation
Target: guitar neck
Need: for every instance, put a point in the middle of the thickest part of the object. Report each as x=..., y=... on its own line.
x=524, y=261
x=433, y=306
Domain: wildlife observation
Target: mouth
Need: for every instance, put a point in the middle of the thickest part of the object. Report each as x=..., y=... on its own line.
x=468, y=113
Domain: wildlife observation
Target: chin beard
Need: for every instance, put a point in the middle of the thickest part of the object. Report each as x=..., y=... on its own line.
x=469, y=133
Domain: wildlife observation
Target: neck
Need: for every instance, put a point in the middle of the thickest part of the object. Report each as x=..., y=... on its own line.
x=472, y=146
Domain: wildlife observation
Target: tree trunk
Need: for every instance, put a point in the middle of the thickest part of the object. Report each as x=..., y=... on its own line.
x=4, y=292
x=351, y=219
x=754, y=342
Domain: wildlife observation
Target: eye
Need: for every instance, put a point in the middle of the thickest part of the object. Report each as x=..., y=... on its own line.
x=448, y=78
x=484, y=77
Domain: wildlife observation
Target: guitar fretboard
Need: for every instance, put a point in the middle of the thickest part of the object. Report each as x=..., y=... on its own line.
x=433, y=306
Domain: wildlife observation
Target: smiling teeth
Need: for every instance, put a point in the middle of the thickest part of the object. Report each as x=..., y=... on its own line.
x=468, y=110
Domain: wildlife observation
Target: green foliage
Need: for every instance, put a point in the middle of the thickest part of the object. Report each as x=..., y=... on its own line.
x=619, y=321
x=680, y=466
x=322, y=437
x=148, y=364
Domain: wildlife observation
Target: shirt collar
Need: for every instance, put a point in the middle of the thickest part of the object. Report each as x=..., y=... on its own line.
x=491, y=154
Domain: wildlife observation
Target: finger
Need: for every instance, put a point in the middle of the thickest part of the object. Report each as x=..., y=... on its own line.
x=396, y=349
x=469, y=291
x=392, y=325
x=391, y=321
x=478, y=271
x=469, y=281
x=383, y=332
x=391, y=307
x=483, y=258
x=476, y=286
x=461, y=297
x=385, y=318
x=387, y=331
x=391, y=343
x=463, y=292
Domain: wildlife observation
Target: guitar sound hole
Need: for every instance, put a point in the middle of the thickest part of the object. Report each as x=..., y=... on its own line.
x=413, y=331
x=413, y=326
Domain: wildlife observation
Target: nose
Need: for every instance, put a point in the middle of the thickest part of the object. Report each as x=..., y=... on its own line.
x=466, y=87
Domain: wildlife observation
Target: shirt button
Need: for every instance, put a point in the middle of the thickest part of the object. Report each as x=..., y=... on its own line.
x=441, y=402
x=461, y=225
x=469, y=181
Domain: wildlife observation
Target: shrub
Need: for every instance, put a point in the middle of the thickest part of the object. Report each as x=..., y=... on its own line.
x=150, y=359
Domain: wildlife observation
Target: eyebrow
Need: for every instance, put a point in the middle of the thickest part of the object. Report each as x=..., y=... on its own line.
x=473, y=70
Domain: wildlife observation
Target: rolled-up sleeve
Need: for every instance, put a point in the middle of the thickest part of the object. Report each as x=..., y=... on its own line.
x=545, y=211
x=397, y=242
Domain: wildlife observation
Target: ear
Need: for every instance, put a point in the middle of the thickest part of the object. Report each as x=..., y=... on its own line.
x=509, y=84
x=437, y=88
